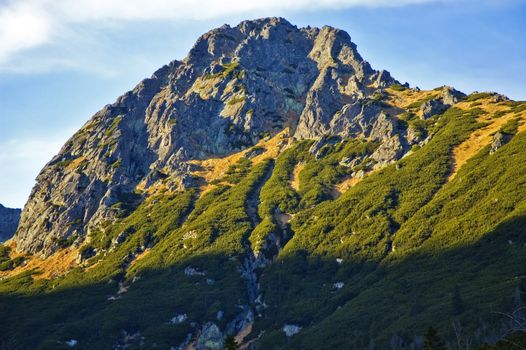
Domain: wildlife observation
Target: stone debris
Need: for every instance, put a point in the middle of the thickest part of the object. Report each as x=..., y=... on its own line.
x=291, y=329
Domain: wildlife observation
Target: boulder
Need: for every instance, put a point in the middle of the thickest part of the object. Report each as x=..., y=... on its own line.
x=254, y=152
x=450, y=96
x=338, y=285
x=85, y=253
x=192, y=271
x=177, y=319
x=291, y=329
x=499, y=140
x=210, y=338
x=71, y=343
x=433, y=107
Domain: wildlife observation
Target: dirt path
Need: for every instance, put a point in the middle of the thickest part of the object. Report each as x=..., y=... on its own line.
x=482, y=137
x=295, y=176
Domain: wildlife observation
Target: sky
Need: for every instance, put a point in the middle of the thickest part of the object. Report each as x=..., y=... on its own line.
x=61, y=60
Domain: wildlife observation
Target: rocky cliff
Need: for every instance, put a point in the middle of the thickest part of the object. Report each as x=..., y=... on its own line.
x=8, y=222
x=236, y=86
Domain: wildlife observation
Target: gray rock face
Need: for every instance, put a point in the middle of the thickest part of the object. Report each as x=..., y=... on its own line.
x=433, y=107
x=210, y=338
x=439, y=105
x=499, y=140
x=9, y=219
x=291, y=329
x=236, y=85
x=451, y=96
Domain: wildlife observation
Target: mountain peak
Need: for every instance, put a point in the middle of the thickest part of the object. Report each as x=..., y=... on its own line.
x=236, y=85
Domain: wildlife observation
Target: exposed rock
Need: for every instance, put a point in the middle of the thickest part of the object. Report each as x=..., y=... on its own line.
x=85, y=253
x=242, y=321
x=291, y=329
x=317, y=147
x=385, y=130
x=210, y=337
x=350, y=162
x=338, y=285
x=190, y=235
x=237, y=85
x=496, y=98
x=219, y=315
x=499, y=140
x=439, y=105
x=8, y=222
x=177, y=319
x=191, y=271
x=414, y=136
x=71, y=343
x=123, y=288
x=121, y=237
x=256, y=151
x=450, y=96
x=433, y=107
x=360, y=174
x=128, y=339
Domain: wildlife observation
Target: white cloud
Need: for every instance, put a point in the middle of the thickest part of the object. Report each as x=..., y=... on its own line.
x=23, y=26
x=26, y=24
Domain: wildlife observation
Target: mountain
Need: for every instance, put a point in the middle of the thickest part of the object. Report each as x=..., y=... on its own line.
x=274, y=187
x=8, y=222
x=235, y=86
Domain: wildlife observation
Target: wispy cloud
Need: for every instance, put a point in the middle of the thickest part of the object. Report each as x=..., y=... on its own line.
x=29, y=24
x=23, y=26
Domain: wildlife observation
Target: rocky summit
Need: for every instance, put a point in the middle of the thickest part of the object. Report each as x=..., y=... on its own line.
x=236, y=86
x=274, y=191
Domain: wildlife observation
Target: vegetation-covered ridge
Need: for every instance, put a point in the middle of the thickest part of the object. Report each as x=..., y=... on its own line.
x=403, y=247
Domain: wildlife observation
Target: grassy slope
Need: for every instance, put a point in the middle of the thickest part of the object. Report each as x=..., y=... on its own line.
x=79, y=300
x=420, y=249
x=408, y=288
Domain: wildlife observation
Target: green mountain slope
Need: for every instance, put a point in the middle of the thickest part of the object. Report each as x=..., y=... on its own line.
x=401, y=250
x=274, y=188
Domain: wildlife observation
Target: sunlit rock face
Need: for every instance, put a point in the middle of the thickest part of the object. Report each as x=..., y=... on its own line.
x=237, y=85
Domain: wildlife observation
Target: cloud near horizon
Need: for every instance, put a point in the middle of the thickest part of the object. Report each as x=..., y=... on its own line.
x=29, y=24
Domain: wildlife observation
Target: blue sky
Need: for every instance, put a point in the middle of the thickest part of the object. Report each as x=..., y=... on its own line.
x=61, y=61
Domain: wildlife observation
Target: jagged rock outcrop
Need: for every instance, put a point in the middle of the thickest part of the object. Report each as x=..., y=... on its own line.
x=8, y=222
x=439, y=105
x=499, y=140
x=450, y=96
x=236, y=85
x=433, y=107
x=210, y=337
